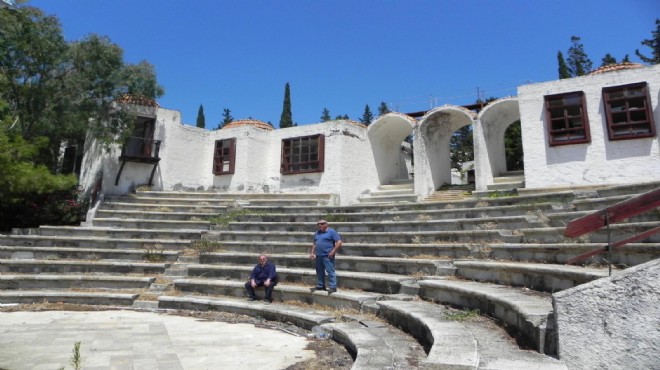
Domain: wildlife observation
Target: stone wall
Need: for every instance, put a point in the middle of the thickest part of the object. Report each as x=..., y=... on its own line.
x=612, y=323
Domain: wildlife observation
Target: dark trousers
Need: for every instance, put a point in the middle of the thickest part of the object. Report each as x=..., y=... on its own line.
x=269, y=289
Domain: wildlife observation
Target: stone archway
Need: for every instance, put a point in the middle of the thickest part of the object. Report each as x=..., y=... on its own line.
x=432, y=151
x=489, y=150
x=386, y=135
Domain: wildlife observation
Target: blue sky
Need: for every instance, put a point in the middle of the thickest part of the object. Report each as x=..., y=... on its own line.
x=342, y=55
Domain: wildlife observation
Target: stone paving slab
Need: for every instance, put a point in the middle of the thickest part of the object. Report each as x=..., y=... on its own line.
x=144, y=341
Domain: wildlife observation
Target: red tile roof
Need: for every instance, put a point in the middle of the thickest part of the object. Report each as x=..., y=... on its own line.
x=615, y=67
x=249, y=122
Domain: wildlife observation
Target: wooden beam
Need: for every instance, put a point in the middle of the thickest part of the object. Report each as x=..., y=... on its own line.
x=616, y=245
x=618, y=212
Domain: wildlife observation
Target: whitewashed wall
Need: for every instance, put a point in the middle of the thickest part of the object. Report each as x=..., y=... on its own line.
x=600, y=162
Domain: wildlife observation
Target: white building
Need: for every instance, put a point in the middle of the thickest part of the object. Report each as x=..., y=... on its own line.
x=595, y=129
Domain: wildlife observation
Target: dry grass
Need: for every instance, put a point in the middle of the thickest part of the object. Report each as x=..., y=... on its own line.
x=429, y=257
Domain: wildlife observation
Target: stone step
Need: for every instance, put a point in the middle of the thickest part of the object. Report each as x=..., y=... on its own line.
x=108, y=206
x=303, y=317
x=410, y=215
x=402, y=186
x=91, y=242
x=528, y=313
x=51, y=253
x=327, y=197
x=283, y=292
x=561, y=219
x=203, y=201
x=369, y=282
x=49, y=282
x=629, y=189
x=486, y=223
x=376, y=198
x=505, y=184
x=593, y=204
x=535, y=276
x=110, y=232
x=148, y=215
x=141, y=223
x=70, y=266
x=85, y=298
x=557, y=253
x=378, y=345
x=509, y=179
x=400, y=266
x=618, y=232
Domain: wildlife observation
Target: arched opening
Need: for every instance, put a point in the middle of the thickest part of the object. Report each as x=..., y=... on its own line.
x=498, y=147
x=393, y=153
x=433, y=146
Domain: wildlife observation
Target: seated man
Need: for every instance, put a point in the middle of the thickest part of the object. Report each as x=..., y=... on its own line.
x=264, y=275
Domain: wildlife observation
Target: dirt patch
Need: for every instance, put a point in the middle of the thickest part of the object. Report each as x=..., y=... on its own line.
x=329, y=354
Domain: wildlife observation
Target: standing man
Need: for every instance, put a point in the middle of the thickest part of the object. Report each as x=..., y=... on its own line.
x=263, y=274
x=326, y=244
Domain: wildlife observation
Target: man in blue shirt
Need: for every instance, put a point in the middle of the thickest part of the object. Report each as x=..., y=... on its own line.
x=326, y=244
x=263, y=274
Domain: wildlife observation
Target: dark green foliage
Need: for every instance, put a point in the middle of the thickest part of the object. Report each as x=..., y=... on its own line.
x=286, y=120
x=226, y=118
x=579, y=63
x=325, y=116
x=383, y=108
x=367, y=116
x=563, y=68
x=626, y=59
x=654, y=44
x=461, y=146
x=345, y=116
x=607, y=60
x=513, y=147
x=61, y=90
x=201, y=120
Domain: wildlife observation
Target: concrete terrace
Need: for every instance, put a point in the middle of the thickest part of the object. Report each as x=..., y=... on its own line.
x=465, y=283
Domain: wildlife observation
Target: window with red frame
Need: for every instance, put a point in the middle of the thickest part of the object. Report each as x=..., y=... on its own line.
x=224, y=156
x=567, y=119
x=628, y=111
x=303, y=154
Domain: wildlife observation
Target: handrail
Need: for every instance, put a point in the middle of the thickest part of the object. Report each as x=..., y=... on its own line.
x=612, y=214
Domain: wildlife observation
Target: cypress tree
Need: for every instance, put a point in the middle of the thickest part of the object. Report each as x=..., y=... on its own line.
x=325, y=116
x=286, y=120
x=563, y=68
x=654, y=44
x=201, y=121
x=579, y=63
x=226, y=118
x=383, y=109
x=367, y=116
x=607, y=60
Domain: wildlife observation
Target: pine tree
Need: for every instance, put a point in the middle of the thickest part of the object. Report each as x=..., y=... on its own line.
x=286, y=120
x=367, y=116
x=608, y=59
x=383, y=108
x=201, y=121
x=626, y=59
x=579, y=63
x=325, y=116
x=226, y=118
x=345, y=116
x=563, y=68
x=654, y=44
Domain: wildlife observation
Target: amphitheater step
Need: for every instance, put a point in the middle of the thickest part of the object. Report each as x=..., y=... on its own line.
x=67, y=266
x=402, y=266
x=109, y=232
x=87, y=298
x=172, y=215
x=150, y=224
x=527, y=312
x=50, y=253
x=48, y=282
x=303, y=317
x=282, y=293
x=91, y=242
x=536, y=276
x=377, y=345
x=370, y=282
x=116, y=206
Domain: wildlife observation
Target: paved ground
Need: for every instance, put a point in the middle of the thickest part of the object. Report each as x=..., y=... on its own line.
x=141, y=340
